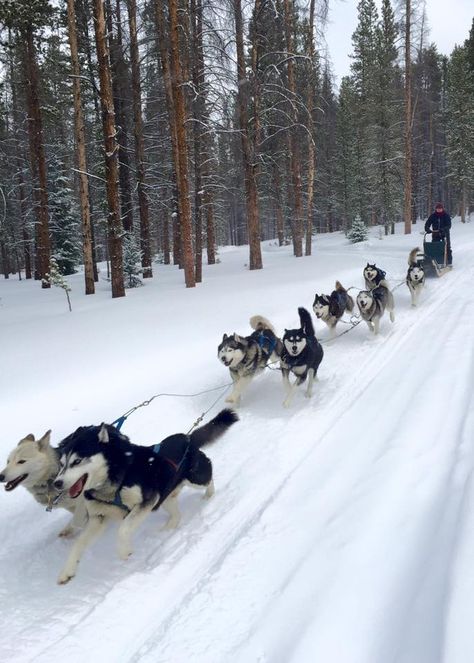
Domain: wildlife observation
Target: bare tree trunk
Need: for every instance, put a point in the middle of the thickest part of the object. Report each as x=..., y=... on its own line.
x=407, y=208
x=182, y=167
x=145, y=244
x=311, y=149
x=198, y=103
x=295, y=167
x=114, y=225
x=251, y=197
x=79, y=130
x=38, y=163
x=280, y=222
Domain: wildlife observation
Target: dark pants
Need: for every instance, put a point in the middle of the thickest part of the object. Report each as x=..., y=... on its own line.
x=438, y=236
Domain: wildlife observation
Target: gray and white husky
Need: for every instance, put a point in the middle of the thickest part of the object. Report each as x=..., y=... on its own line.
x=247, y=356
x=124, y=481
x=331, y=308
x=374, y=276
x=372, y=305
x=415, y=275
x=301, y=355
x=34, y=465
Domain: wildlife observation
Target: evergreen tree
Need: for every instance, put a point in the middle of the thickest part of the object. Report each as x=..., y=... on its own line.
x=358, y=232
x=64, y=220
x=131, y=261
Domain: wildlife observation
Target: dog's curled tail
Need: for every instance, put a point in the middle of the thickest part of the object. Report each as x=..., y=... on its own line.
x=306, y=322
x=412, y=256
x=214, y=429
x=259, y=323
x=349, y=301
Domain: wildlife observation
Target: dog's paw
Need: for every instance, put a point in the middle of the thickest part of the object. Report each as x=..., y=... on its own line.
x=286, y=404
x=67, y=532
x=230, y=399
x=170, y=524
x=124, y=553
x=65, y=576
x=308, y=395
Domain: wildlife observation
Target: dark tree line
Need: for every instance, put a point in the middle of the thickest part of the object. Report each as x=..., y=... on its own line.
x=134, y=131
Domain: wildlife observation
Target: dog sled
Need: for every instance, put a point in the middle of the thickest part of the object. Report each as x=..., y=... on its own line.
x=435, y=257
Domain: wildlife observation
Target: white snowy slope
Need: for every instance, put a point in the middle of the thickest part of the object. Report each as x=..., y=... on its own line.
x=342, y=529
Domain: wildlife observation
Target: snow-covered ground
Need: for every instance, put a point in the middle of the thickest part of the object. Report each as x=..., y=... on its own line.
x=342, y=529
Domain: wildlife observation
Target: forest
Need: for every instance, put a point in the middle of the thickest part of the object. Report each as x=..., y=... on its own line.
x=139, y=132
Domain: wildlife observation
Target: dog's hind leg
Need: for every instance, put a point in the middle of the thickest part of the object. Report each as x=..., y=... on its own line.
x=95, y=526
x=309, y=388
x=170, y=505
x=128, y=525
x=210, y=490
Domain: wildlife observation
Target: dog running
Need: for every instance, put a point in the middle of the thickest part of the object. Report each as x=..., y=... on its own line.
x=331, y=308
x=247, y=356
x=301, y=355
x=372, y=305
x=415, y=275
x=124, y=481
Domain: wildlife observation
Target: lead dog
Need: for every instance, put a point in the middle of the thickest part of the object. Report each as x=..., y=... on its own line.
x=34, y=465
x=331, y=308
x=301, y=355
x=123, y=481
x=372, y=305
x=415, y=275
x=247, y=356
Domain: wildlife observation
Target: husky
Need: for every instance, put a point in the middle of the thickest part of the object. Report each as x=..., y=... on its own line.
x=374, y=276
x=372, y=305
x=124, y=481
x=247, y=356
x=301, y=355
x=34, y=465
x=415, y=274
x=330, y=308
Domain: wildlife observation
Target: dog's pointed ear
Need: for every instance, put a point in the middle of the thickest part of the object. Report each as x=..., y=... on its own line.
x=240, y=339
x=30, y=437
x=224, y=338
x=43, y=442
x=103, y=434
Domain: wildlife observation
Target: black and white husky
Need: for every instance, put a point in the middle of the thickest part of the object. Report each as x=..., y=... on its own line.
x=247, y=356
x=331, y=308
x=415, y=274
x=374, y=276
x=372, y=305
x=123, y=481
x=301, y=355
x=34, y=465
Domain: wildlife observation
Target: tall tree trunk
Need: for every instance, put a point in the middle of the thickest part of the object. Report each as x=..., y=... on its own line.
x=120, y=94
x=182, y=167
x=311, y=149
x=407, y=207
x=198, y=103
x=38, y=162
x=280, y=222
x=79, y=131
x=163, y=46
x=114, y=225
x=251, y=197
x=295, y=167
x=145, y=244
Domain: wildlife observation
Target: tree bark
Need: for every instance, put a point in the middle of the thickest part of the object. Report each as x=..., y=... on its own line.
x=311, y=149
x=407, y=207
x=182, y=167
x=38, y=162
x=79, y=131
x=114, y=225
x=251, y=194
x=145, y=243
x=198, y=104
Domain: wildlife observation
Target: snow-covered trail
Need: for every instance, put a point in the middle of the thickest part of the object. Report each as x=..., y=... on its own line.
x=341, y=530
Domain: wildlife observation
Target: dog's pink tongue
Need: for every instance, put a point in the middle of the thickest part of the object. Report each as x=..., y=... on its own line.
x=77, y=487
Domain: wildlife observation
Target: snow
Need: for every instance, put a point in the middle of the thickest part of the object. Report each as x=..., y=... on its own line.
x=342, y=529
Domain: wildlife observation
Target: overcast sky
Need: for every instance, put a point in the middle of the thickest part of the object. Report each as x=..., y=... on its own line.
x=449, y=23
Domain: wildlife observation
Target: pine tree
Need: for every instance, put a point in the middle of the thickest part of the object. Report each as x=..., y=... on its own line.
x=55, y=277
x=64, y=220
x=358, y=232
x=131, y=261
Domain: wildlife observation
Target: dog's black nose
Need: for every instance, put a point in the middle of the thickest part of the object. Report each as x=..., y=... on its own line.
x=2, y=478
x=58, y=484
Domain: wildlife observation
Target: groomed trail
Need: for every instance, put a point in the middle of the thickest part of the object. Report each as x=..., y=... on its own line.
x=342, y=529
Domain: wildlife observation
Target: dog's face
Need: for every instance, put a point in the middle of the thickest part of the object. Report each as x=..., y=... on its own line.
x=321, y=306
x=27, y=463
x=370, y=272
x=417, y=274
x=364, y=300
x=83, y=466
x=232, y=350
x=294, y=341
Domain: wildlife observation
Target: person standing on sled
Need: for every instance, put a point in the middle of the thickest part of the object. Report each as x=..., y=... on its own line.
x=439, y=224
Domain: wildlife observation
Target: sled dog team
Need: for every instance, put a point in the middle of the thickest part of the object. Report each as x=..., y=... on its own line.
x=299, y=351
x=99, y=475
